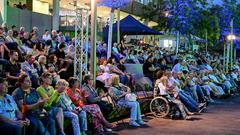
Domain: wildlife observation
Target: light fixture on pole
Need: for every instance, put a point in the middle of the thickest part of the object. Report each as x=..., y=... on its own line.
x=229, y=52
x=231, y=37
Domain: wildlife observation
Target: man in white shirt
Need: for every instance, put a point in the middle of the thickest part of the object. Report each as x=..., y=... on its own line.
x=46, y=36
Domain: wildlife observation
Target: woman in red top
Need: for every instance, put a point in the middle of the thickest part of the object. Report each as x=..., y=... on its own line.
x=78, y=98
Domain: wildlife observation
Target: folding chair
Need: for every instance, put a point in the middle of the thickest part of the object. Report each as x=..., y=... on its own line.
x=117, y=111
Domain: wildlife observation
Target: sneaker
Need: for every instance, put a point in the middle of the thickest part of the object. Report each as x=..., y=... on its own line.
x=108, y=129
x=141, y=122
x=133, y=123
x=190, y=113
x=187, y=117
x=201, y=109
x=201, y=105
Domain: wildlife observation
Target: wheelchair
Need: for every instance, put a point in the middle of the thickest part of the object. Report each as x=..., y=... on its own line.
x=161, y=106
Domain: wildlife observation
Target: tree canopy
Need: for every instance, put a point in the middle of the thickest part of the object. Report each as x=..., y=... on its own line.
x=196, y=17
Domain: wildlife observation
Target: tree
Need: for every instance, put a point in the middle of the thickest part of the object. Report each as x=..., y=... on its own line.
x=195, y=17
x=208, y=24
x=230, y=10
x=157, y=11
x=185, y=15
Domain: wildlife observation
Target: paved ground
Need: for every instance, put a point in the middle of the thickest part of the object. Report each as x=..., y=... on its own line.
x=220, y=118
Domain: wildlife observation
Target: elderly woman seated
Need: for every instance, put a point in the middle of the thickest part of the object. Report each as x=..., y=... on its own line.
x=79, y=99
x=163, y=88
x=46, y=91
x=76, y=114
x=118, y=92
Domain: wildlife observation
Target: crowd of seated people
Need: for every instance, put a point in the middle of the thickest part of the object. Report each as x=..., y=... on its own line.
x=195, y=78
x=41, y=91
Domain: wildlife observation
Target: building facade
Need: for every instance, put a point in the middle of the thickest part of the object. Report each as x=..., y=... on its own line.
x=54, y=14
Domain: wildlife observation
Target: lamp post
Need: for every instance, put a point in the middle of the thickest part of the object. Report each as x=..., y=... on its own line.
x=230, y=38
x=227, y=61
x=224, y=57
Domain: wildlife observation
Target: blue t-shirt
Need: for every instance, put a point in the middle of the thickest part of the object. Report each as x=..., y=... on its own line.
x=8, y=107
x=29, y=99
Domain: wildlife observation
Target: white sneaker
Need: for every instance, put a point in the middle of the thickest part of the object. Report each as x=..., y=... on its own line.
x=187, y=117
x=201, y=105
x=141, y=122
x=133, y=123
x=108, y=129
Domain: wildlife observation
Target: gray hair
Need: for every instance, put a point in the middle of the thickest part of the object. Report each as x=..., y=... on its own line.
x=41, y=58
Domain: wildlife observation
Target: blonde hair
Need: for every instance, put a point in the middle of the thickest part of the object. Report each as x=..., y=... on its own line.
x=164, y=80
x=62, y=81
x=114, y=80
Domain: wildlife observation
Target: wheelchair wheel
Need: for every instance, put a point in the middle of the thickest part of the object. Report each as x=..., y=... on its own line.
x=159, y=107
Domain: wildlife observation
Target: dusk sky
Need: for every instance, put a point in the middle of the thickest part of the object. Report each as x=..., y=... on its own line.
x=220, y=1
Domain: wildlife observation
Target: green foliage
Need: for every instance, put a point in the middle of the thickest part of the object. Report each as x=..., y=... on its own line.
x=194, y=17
x=208, y=24
x=156, y=11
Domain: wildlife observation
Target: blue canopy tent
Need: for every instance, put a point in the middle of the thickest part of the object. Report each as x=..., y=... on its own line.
x=130, y=26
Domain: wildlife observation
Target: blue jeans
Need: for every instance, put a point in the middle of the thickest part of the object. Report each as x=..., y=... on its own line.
x=44, y=126
x=83, y=120
x=192, y=92
x=219, y=89
x=200, y=92
x=34, y=127
x=10, y=129
x=188, y=101
x=207, y=89
x=79, y=121
x=49, y=124
x=135, y=109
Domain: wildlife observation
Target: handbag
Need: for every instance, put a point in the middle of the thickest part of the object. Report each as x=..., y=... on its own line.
x=130, y=97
